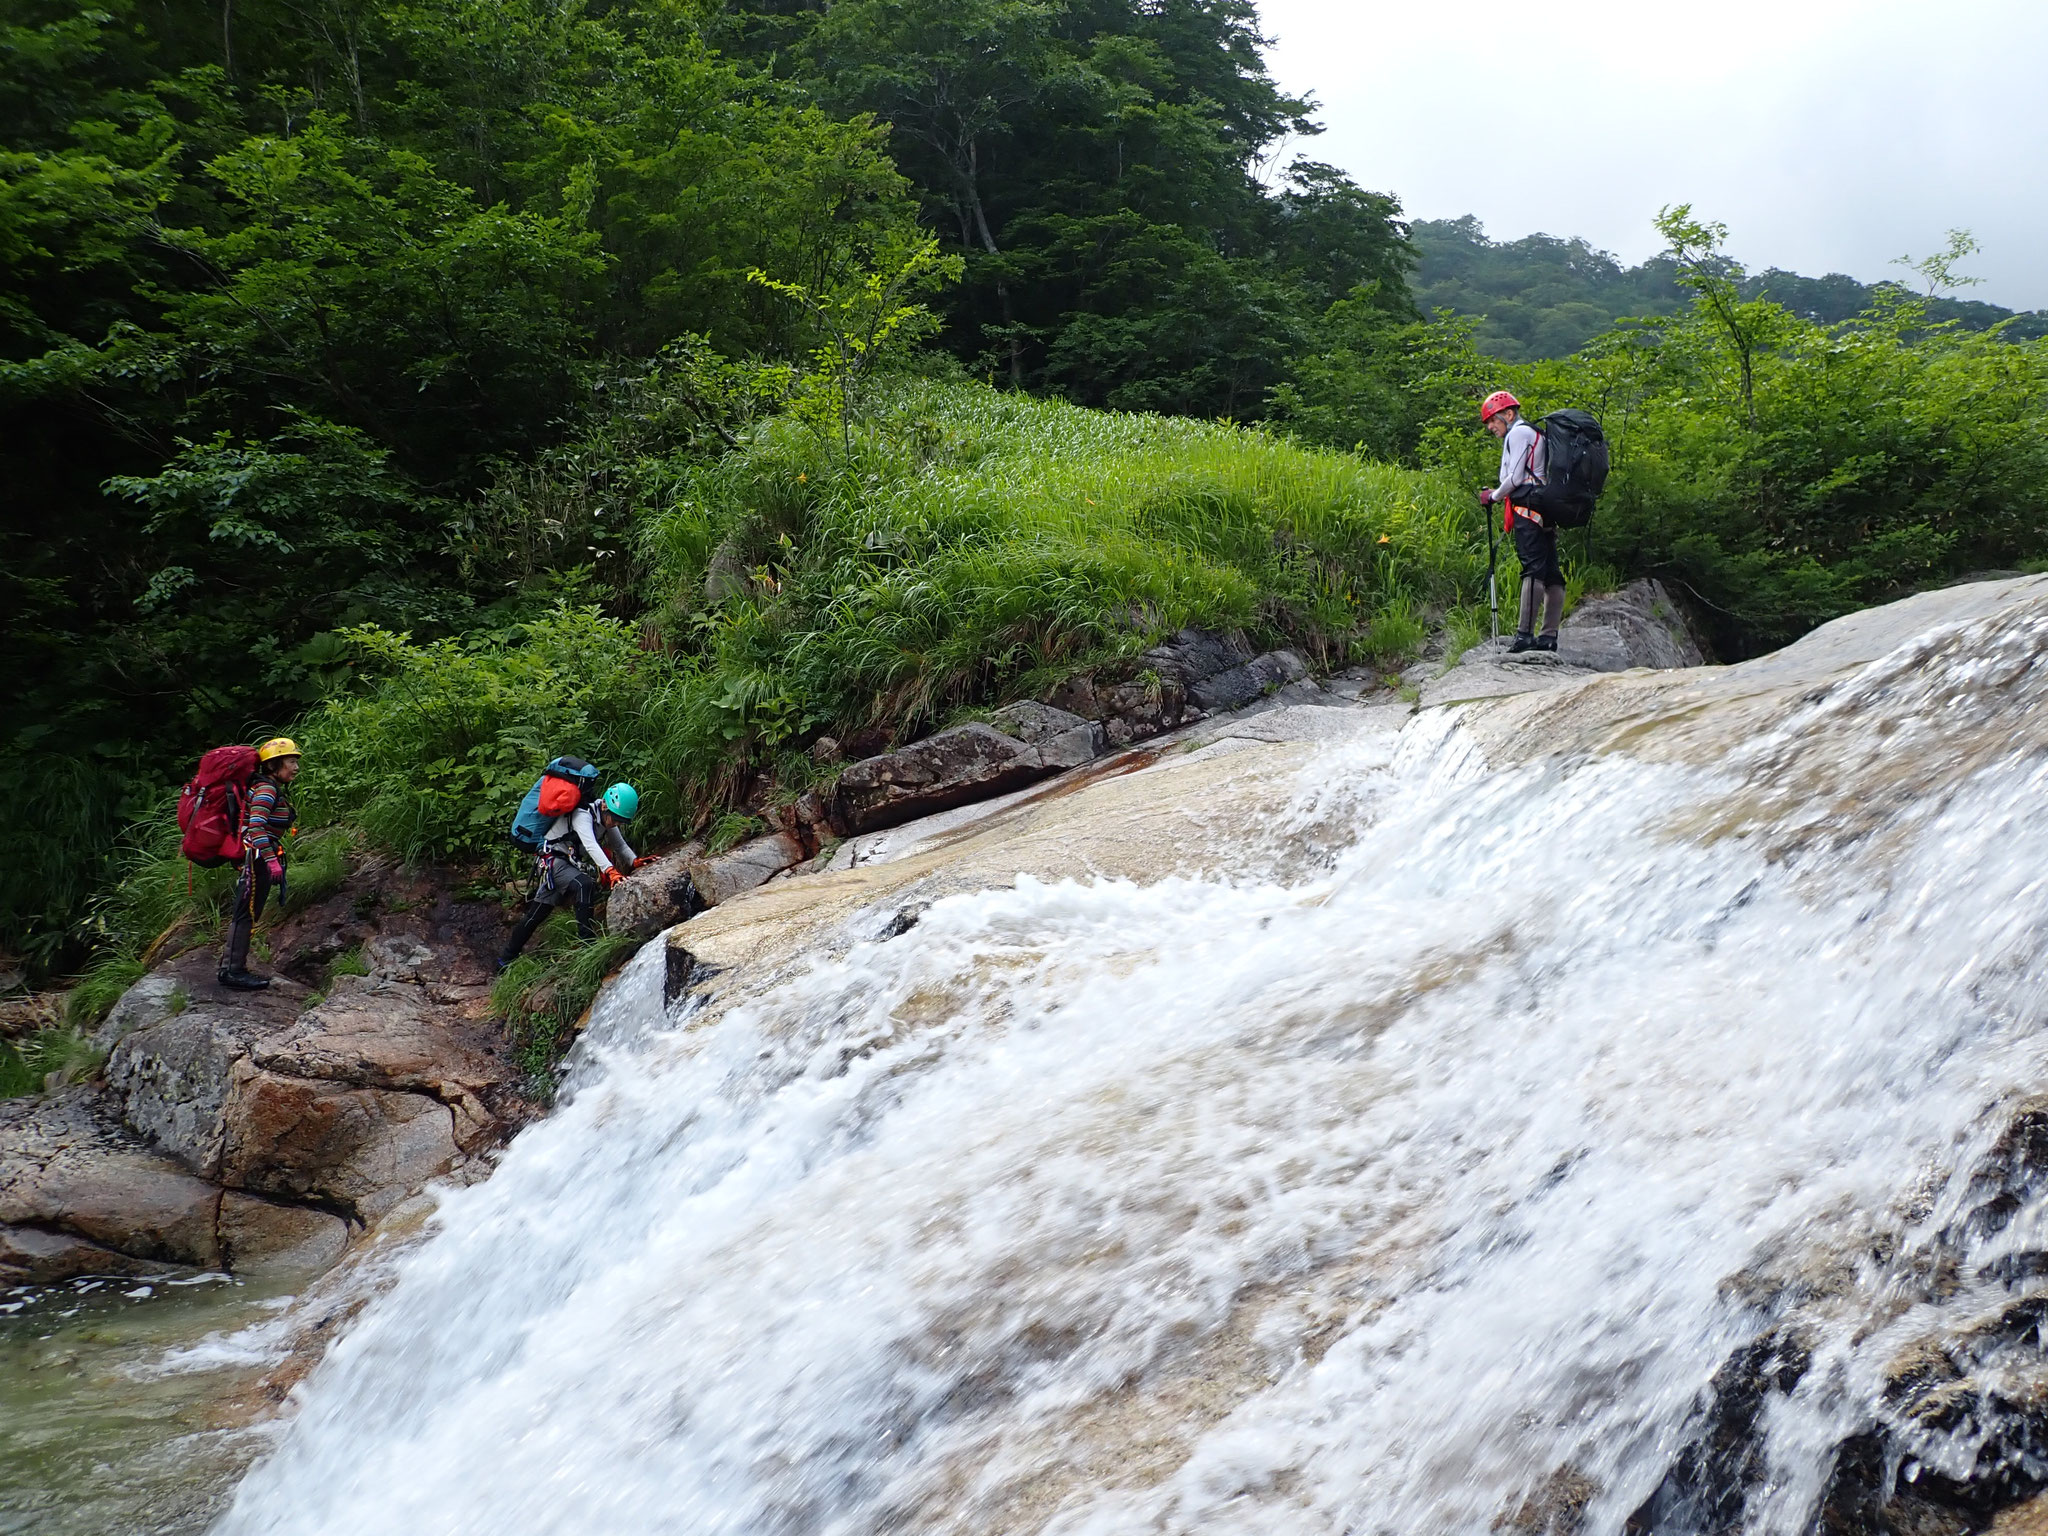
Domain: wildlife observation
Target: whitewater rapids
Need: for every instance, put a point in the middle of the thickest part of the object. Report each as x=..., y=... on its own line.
x=1384, y=1179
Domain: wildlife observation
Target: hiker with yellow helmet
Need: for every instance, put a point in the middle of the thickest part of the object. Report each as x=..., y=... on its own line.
x=267, y=820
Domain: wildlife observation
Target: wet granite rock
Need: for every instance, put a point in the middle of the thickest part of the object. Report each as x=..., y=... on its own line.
x=68, y=1167
x=720, y=877
x=1247, y=684
x=657, y=895
x=954, y=767
x=352, y=1105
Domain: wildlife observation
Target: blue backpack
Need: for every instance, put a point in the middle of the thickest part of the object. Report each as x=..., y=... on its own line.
x=563, y=785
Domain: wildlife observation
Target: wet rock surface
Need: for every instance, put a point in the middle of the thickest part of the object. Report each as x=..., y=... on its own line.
x=658, y=895
x=80, y=1193
x=950, y=768
x=1960, y=1442
x=260, y=1131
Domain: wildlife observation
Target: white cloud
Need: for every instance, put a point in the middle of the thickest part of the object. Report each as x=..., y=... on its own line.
x=1829, y=135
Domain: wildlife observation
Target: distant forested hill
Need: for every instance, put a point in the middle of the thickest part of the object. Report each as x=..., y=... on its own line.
x=1542, y=296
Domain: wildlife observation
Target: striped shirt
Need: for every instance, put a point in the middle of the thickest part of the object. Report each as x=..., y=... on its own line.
x=266, y=820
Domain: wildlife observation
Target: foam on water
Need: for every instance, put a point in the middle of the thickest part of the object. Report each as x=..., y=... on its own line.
x=1371, y=1203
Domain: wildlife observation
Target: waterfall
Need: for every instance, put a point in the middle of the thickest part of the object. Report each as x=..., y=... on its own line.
x=1427, y=1181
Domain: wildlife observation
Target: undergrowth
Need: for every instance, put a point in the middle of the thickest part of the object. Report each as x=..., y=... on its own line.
x=970, y=547
x=542, y=995
x=47, y=1058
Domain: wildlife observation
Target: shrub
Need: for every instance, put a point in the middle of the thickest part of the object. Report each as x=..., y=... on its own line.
x=434, y=758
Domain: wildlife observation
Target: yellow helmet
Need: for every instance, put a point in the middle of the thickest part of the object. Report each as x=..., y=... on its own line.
x=277, y=746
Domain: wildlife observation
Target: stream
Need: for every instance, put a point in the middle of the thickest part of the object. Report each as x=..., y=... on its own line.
x=1419, y=1182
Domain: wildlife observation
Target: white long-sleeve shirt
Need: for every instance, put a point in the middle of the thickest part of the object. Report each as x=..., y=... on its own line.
x=581, y=825
x=1521, y=459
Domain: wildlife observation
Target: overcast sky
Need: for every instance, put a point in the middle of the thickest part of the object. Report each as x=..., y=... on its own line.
x=1829, y=135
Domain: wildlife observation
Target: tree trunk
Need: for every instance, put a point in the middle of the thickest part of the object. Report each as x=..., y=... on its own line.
x=988, y=243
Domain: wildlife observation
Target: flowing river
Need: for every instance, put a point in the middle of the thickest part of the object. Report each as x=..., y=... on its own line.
x=1415, y=1177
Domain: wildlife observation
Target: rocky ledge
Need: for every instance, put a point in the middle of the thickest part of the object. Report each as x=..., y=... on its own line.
x=248, y=1131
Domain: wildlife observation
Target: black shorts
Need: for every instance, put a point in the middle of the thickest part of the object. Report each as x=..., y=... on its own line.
x=1536, y=548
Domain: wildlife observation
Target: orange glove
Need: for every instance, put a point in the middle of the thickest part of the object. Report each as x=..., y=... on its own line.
x=645, y=858
x=611, y=878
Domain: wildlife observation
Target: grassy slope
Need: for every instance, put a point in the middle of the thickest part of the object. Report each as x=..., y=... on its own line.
x=974, y=547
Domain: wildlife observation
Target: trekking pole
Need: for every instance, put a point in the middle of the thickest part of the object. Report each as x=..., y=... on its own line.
x=1492, y=586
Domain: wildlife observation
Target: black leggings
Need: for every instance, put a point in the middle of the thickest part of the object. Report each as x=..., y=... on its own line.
x=252, y=894
x=564, y=884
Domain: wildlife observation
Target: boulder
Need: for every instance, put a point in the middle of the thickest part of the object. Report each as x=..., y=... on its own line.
x=1136, y=709
x=396, y=957
x=171, y=1080
x=720, y=877
x=371, y=1033
x=353, y=1104
x=70, y=1171
x=260, y=1236
x=1639, y=626
x=954, y=767
x=1195, y=672
x=32, y=1256
x=362, y=1150
x=1247, y=684
x=1064, y=740
x=156, y=997
x=658, y=895
x=1195, y=655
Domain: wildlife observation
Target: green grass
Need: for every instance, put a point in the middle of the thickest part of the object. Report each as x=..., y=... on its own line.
x=348, y=963
x=319, y=866
x=543, y=993
x=977, y=547
x=96, y=992
x=28, y=1065
x=729, y=831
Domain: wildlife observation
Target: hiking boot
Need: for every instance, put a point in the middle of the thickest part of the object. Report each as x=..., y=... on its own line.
x=1545, y=643
x=242, y=981
x=1523, y=641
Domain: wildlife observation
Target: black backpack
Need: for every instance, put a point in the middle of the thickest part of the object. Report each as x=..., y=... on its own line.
x=1574, y=470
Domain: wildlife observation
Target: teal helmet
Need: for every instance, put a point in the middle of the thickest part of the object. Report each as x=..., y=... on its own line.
x=623, y=801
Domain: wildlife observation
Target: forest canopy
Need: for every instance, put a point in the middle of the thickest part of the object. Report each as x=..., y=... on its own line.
x=439, y=379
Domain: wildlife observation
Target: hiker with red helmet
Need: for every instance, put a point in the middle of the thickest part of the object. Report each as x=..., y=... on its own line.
x=1521, y=464
x=267, y=820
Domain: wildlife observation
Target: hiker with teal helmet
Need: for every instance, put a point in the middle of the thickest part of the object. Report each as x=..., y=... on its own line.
x=574, y=865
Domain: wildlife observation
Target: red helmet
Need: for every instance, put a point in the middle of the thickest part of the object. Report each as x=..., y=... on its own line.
x=1500, y=400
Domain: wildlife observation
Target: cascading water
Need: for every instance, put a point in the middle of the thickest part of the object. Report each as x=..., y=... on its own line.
x=1430, y=1190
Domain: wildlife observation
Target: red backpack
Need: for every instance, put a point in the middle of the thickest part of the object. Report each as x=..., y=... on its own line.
x=210, y=807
